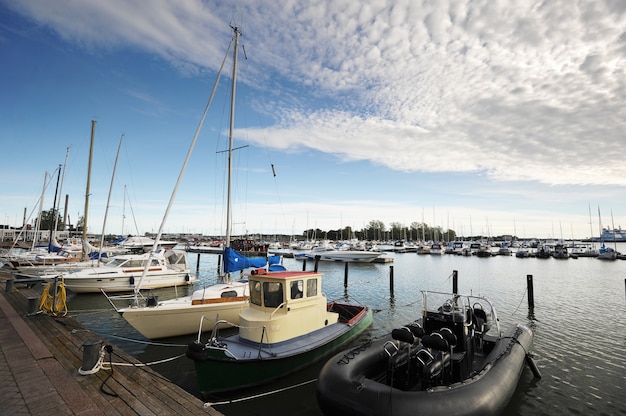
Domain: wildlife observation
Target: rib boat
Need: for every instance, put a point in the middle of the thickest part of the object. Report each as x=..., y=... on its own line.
x=453, y=360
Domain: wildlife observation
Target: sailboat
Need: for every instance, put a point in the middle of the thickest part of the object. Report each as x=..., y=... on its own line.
x=200, y=311
x=606, y=253
x=288, y=324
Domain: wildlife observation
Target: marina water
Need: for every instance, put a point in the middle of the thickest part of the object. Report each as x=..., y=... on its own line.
x=578, y=321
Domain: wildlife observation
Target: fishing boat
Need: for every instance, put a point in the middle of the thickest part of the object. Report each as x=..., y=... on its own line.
x=126, y=272
x=289, y=324
x=221, y=302
x=453, y=360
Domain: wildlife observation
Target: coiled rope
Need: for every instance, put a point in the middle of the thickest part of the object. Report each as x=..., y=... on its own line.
x=54, y=304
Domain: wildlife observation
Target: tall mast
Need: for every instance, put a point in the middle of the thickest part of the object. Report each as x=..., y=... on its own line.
x=230, y=136
x=58, y=206
x=106, y=211
x=87, y=190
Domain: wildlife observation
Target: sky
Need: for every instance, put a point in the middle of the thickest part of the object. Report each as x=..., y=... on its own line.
x=485, y=117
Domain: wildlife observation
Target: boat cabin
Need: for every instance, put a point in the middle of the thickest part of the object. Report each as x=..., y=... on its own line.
x=284, y=305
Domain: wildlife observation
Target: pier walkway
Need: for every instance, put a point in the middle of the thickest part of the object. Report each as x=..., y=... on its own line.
x=39, y=360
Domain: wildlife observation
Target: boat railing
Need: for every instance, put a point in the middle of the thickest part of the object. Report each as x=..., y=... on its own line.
x=460, y=303
x=132, y=299
x=276, y=309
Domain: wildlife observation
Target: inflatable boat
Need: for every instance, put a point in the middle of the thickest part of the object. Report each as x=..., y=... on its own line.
x=453, y=360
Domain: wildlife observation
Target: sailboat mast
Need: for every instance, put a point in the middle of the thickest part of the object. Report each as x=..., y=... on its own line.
x=106, y=211
x=230, y=136
x=88, y=187
x=56, y=214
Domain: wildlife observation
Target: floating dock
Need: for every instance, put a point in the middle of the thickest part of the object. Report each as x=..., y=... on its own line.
x=40, y=358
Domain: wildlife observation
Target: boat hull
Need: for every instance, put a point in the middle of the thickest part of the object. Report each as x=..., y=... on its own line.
x=269, y=362
x=345, y=256
x=125, y=282
x=181, y=317
x=344, y=387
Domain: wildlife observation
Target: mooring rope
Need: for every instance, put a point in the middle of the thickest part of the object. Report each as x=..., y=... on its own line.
x=256, y=396
x=56, y=303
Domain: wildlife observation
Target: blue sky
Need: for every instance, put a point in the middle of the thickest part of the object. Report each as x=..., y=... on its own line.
x=483, y=117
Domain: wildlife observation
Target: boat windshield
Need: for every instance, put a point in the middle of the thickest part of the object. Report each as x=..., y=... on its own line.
x=116, y=262
x=457, y=306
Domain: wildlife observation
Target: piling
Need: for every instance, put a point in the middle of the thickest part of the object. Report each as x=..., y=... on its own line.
x=33, y=304
x=531, y=294
x=345, y=275
x=391, y=279
x=317, y=262
x=304, y=265
x=198, y=265
x=455, y=281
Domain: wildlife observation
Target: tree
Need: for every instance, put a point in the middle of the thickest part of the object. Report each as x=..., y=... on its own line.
x=47, y=220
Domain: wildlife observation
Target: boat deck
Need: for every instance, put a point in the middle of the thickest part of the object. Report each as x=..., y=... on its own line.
x=39, y=360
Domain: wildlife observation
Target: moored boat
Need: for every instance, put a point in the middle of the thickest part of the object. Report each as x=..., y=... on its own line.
x=288, y=325
x=123, y=273
x=180, y=316
x=453, y=360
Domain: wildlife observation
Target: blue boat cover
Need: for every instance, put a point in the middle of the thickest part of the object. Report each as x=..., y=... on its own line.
x=234, y=261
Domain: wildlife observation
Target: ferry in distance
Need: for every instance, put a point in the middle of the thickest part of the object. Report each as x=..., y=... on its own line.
x=608, y=235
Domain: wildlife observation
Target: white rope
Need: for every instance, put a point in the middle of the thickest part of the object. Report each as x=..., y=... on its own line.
x=241, y=399
x=145, y=364
x=100, y=363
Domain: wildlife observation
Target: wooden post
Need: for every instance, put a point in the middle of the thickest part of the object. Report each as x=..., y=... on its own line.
x=198, y=265
x=219, y=264
x=455, y=281
x=391, y=279
x=317, y=262
x=531, y=294
x=345, y=275
x=304, y=265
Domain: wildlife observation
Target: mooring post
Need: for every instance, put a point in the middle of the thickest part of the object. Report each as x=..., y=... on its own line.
x=304, y=265
x=317, y=262
x=219, y=263
x=391, y=279
x=531, y=294
x=198, y=265
x=345, y=276
x=455, y=281
x=54, y=290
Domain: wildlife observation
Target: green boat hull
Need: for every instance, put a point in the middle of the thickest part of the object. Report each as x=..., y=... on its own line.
x=217, y=374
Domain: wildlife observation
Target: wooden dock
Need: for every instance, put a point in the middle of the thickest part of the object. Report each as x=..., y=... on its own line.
x=40, y=356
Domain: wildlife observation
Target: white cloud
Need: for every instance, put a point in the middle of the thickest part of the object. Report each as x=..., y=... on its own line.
x=531, y=91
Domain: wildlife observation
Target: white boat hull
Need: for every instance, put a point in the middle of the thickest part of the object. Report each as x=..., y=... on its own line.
x=345, y=256
x=121, y=282
x=178, y=317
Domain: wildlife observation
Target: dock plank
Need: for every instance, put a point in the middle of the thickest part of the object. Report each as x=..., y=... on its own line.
x=139, y=389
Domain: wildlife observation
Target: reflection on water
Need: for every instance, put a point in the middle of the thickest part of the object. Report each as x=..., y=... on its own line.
x=579, y=325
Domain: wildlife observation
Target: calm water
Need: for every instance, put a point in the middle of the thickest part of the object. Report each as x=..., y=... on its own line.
x=579, y=324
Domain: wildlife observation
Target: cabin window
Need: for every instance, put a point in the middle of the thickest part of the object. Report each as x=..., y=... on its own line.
x=229, y=294
x=311, y=287
x=155, y=262
x=297, y=287
x=272, y=294
x=255, y=292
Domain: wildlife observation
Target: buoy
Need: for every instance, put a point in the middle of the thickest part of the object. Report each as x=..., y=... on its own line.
x=533, y=366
